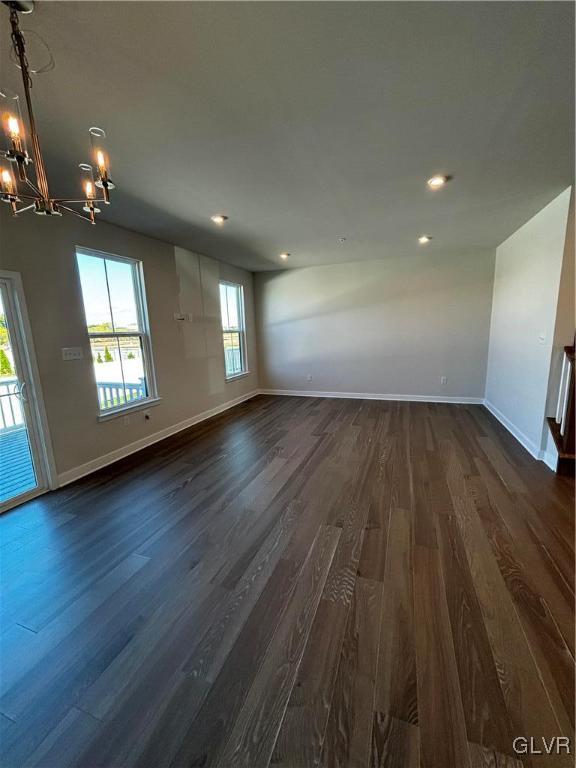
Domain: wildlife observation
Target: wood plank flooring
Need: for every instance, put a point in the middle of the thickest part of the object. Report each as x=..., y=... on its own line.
x=297, y=582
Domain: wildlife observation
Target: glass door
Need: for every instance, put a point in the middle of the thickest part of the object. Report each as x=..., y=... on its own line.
x=22, y=474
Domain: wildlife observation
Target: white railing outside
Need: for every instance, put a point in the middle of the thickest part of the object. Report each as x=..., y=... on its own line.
x=233, y=360
x=111, y=394
x=11, y=415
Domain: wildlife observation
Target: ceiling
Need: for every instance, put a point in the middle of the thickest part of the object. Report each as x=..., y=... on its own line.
x=309, y=121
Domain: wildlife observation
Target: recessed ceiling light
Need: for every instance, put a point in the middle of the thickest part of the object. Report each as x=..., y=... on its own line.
x=437, y=181
x=341, y=239
x=219, y=219
x=284, y=256
x=424, y=239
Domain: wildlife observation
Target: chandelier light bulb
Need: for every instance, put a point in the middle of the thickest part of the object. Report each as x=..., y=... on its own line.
x=8, y=189
x=100, y=158
x=7, y=182
x=89, y=190
x=13, y=127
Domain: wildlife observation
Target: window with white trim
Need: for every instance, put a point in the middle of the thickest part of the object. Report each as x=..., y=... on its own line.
x=117, y=324
x=233, y=329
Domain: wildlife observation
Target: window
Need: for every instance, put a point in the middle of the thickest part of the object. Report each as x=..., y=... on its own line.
x=115, y=309
x=232, y=308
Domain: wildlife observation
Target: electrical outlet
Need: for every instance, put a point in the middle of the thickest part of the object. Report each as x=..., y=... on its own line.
x=443, y=380
x=309, y=377
x=72, y=353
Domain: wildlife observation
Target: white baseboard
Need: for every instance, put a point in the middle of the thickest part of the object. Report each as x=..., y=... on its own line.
x=525, y=441
x=373, y=396
x=550, y=458
x=109, y=458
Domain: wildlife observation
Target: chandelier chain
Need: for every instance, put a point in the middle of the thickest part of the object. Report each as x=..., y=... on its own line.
x=20, y=46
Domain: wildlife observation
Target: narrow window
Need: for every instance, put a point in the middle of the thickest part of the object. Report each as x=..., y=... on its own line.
x=116, y=319
x=233, y=329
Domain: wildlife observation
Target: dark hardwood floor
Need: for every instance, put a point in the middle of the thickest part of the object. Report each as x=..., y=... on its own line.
x=297, y=582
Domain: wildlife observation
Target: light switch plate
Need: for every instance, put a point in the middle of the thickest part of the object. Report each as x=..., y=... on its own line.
x=72, y=353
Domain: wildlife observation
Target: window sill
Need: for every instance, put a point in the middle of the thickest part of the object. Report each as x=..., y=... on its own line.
x=238, y=376
x=124, y=410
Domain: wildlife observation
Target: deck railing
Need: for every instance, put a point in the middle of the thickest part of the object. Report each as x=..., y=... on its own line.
x=11, y=415
x=111, y=394
x=233, y=360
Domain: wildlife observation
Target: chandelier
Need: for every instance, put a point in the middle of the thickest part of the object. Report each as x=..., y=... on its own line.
x=16, y=187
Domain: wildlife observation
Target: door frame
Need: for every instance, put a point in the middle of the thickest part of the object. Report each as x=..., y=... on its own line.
x=38, y=430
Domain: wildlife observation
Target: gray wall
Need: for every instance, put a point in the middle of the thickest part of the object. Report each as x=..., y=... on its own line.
x=387, y=327
x=524, y=315
x=188, y=356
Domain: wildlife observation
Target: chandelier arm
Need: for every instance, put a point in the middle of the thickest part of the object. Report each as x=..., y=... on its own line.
x=59, y=200
x=76, y=213
x=18, y=211
x=33, y=187
x=20, y=51
x=28, y=197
